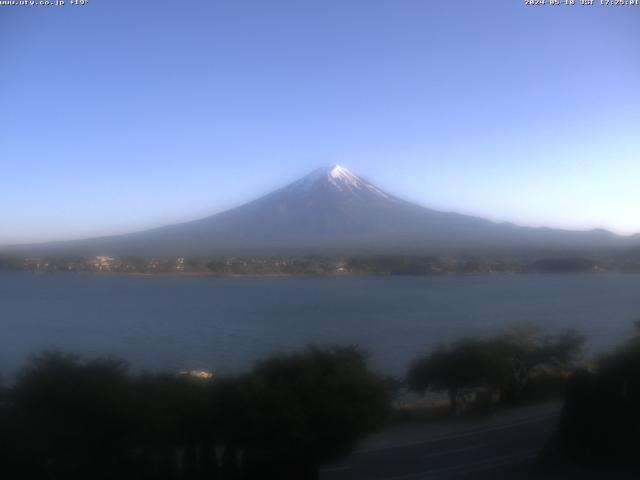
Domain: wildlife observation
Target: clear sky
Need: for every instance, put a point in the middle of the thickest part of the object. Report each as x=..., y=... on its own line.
x=122, y=115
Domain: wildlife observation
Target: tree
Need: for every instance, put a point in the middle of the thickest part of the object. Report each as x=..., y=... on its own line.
x=69, y=418
x=600, y=419
x=74, y=415
x=522, y=352
x=505, y=362
x=463, y=364
x=302, y=409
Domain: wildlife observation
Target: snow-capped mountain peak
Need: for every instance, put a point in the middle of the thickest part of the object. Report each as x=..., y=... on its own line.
x=334, y=211
x=341, y=179
x=341, y=175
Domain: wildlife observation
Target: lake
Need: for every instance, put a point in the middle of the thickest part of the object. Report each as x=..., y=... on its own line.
x=226, y=324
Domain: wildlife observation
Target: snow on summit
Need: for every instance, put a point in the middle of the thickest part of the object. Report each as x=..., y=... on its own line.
x=340, y=175
x=342, y=179
x=334, y=211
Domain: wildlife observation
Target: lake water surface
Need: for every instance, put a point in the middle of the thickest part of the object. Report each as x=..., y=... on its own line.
x=225, y=324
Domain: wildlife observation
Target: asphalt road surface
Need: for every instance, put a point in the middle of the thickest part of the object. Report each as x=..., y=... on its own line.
x=502, y=446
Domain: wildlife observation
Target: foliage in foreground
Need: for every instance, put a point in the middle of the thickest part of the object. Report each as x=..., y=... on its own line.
x=505, y=363
x=600, y=422
x=69, y=419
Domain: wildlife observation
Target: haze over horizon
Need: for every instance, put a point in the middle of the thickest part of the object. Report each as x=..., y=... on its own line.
x=130, y=116
x=317, y=210
x=333, y=211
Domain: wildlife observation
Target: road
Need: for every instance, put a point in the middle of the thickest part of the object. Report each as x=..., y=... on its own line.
x=502, y=446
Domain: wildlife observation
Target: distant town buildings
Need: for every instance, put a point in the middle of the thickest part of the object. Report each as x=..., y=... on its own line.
x=180, y=265
x=36, y=264
x=103, y=264
x=316, y=265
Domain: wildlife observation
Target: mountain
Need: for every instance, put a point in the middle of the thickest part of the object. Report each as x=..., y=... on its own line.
x=332, y=210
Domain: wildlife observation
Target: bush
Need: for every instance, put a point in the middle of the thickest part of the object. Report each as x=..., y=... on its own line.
x=68, y=418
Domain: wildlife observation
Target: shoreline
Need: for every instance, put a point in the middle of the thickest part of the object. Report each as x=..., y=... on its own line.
x=311, y=275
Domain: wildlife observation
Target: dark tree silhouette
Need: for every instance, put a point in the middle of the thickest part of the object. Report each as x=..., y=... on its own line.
x=74, y=416
x=460, y=365
x=70, y=419
x=600, y=422
x=305, y=408
x=505, y=363
x=523, y=352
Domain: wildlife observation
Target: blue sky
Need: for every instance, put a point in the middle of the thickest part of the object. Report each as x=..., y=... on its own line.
x=125, y=115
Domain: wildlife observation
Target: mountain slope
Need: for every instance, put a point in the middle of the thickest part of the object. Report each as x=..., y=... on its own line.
x=333, y=210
